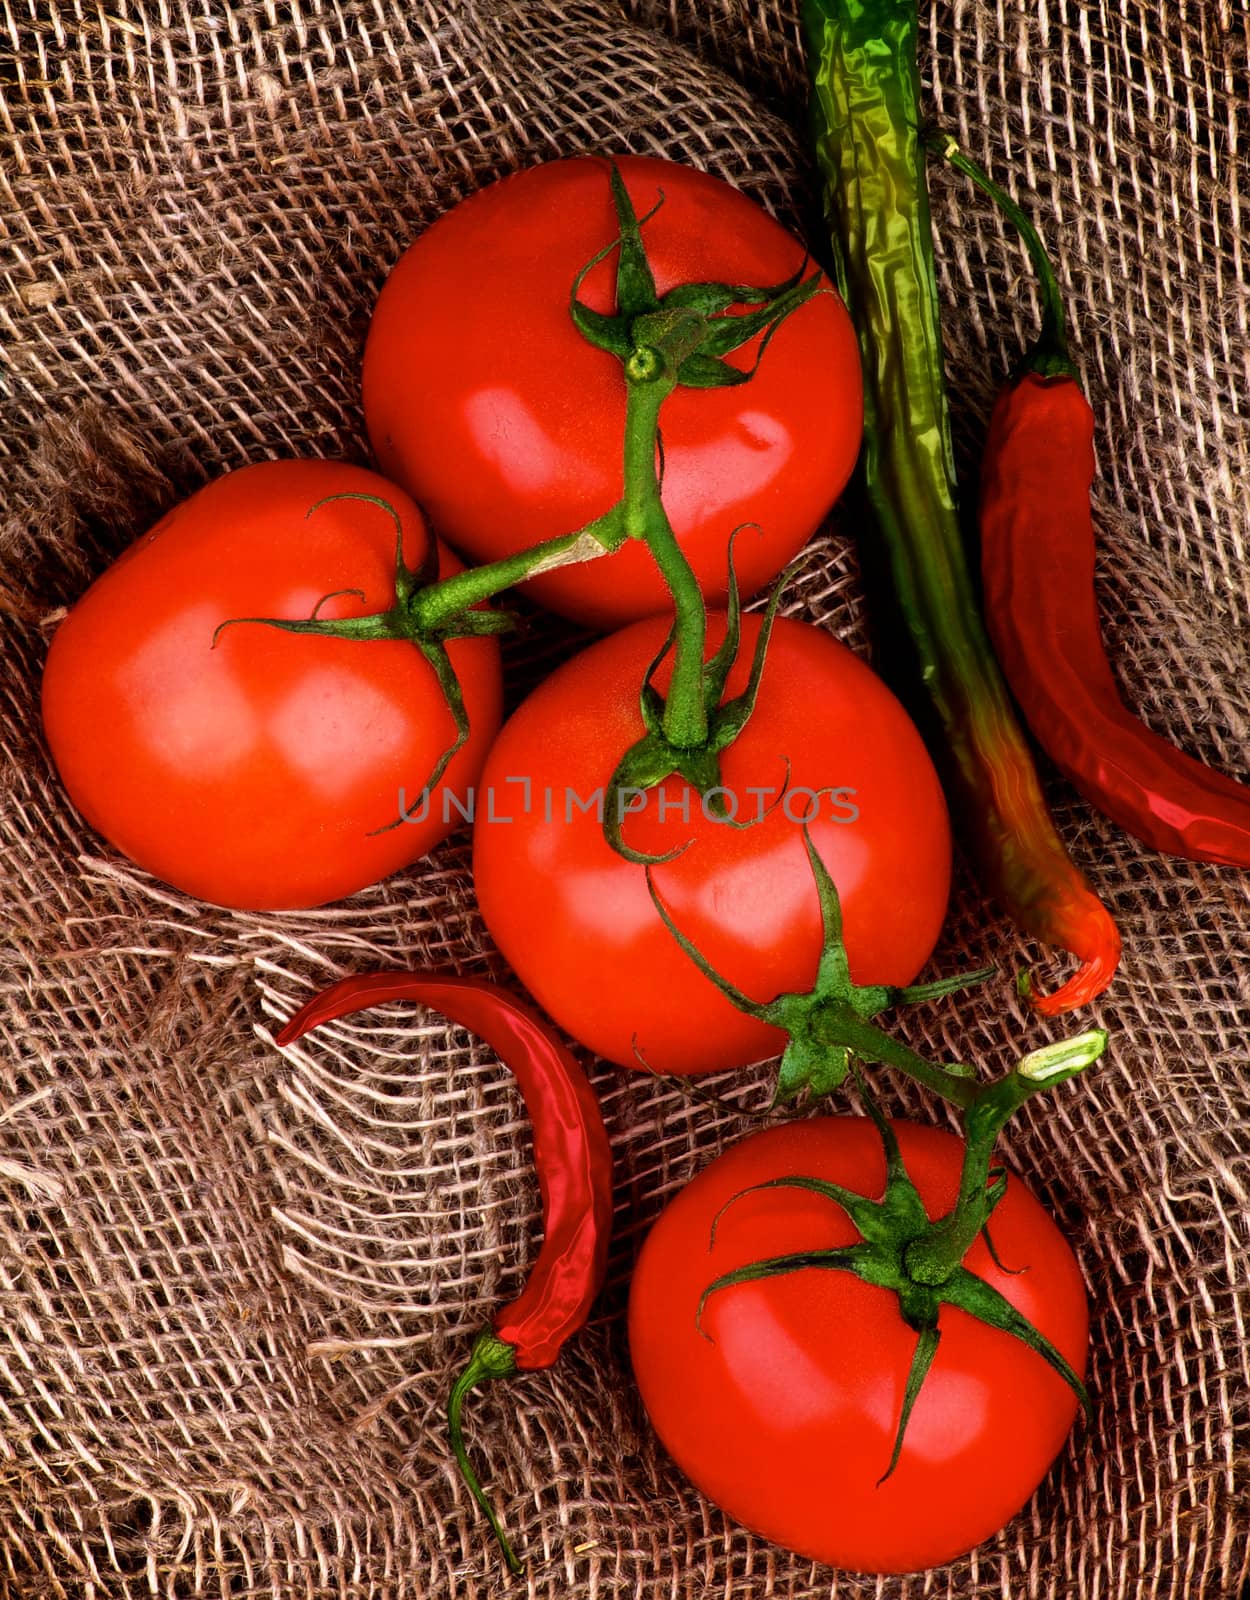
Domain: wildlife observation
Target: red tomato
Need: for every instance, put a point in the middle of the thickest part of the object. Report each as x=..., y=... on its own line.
x=255, y=773
x=486, y=403
x=786, y=1414
x=574, y=918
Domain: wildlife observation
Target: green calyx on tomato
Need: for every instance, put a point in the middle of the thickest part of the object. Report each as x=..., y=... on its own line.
x=830, y=1024
x=657, y=756
x=404, y=620
x=682, y=337
x=678, y=340
x=921, y=1261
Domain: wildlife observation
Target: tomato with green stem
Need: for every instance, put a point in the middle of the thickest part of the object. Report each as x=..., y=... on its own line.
x=204, y=718
x=864, y=1342
x=484, y=398
x=576, y=919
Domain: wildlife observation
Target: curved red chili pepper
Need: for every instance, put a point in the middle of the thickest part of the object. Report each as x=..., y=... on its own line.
x=1037, y=561
x=571, y=1153
x=1037, y=556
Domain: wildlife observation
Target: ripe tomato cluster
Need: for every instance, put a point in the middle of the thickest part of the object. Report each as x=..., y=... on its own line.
x=589, y=377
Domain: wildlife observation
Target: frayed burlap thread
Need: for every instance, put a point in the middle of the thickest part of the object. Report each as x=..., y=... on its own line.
x=234, y=1282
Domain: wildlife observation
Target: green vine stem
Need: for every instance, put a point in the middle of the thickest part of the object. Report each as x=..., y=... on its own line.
x=685, y=718
x=659, y=341
x=934, y=1256
x=678, y=340
x=441, y=603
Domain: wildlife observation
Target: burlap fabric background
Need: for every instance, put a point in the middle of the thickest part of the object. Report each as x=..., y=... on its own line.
x=233, y=1284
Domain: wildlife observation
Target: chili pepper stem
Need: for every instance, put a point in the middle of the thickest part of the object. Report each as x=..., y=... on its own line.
x=1049, y=355
x=490, y=1358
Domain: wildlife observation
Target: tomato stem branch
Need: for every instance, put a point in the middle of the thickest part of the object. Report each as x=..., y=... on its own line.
x=831, y=1025
x=838, y=1025
x=439, y=604
x=685, y=720
x=933, y=1258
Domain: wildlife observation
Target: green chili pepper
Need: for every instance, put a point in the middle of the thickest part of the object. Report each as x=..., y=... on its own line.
x=866, y=115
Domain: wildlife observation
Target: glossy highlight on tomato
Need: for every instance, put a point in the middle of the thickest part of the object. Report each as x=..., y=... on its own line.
x=258, y=771
x=575, y=919
x=485, y=402
x=784, y=1408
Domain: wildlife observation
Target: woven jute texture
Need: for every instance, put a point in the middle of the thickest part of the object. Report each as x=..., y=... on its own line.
x=233, y=1283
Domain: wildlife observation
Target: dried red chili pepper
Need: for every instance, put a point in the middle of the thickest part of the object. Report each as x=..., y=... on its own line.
x=1037, y=562
x=574, y=1163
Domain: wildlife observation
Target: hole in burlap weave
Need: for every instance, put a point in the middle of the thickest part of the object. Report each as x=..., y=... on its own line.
x=197, y=207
